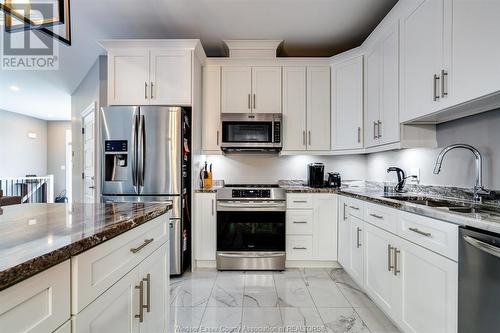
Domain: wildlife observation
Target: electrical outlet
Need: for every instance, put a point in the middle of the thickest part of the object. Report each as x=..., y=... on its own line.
x=414, y=176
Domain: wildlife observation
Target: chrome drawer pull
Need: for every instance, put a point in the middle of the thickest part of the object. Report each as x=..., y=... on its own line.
x=300, y=222
x=141, y=304
x=300, y=248
x=299, y=201
x=420, y=232
x=377, y=216
x=146, y=242
x=354, y=207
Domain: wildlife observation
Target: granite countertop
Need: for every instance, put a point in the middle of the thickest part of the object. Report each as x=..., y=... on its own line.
x=34, y=237
x=374, y=192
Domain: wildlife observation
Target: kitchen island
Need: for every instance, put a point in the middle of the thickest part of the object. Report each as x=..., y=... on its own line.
x=67, y=267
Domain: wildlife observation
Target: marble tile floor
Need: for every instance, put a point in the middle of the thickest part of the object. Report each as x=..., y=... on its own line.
x=296, y=300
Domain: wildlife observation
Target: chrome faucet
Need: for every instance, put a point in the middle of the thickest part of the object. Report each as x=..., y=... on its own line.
x=479, y=191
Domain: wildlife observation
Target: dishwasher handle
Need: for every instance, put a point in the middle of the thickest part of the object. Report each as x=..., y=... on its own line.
x=482, y=246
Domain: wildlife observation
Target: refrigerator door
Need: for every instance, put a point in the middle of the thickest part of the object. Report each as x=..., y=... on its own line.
x=118, y=146
x=160, y=150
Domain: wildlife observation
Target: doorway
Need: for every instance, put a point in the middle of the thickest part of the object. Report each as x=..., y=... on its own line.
x=88, y=155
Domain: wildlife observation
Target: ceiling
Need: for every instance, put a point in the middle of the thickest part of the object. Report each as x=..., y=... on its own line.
x=308, y=28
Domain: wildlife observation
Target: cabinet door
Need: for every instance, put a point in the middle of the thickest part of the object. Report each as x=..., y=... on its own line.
x=475, y=68
x=389, y=98
x=325, y=227
x=170, y=77
x=347, y=104
x=266, y=89
x=128, y=81
x=294, y=108
x=154, y=272
x=429, y=291
x=211, y=108
x=421, y=58
x=236, y=89
x=114, y=311
x=344, y=234
x=373, y=88
x=206, y=226
x=357, y=249
x=318, y=108
x=380, y=282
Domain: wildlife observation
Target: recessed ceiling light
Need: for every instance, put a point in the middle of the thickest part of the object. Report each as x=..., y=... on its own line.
x=15, y=88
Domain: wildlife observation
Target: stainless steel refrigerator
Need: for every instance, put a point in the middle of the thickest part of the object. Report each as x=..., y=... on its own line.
x=146, y=158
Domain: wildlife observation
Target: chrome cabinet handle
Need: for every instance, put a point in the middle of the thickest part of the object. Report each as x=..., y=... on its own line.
x=304, y=138
x=482, y=246
x=254, y=104
x=358, y=244
x=436, y=87
x=444, y=84
x=309, y=138
x=396, y=268
x=354, y=207
x=249, y=106
x=300, y=222
x=217, y=138
x=420, y=232
x=300, y=248
x=145, y=90
x=140, y=247
x=379, y=129
x=299, y=201
x=389, y=255
x=359, y=134
x=375, y=130
x=152, y=85
x=141, y=304
x=148, y=292
x=345, y=217
x=377, y=216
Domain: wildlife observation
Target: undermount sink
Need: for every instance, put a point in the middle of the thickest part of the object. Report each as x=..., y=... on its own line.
x=425, y=201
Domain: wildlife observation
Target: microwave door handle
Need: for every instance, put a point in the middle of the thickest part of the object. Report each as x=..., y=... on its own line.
x=134, y=154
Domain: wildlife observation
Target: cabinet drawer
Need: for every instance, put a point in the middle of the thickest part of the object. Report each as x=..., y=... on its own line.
x=438, y=236
x=299, y=222
x=97, y=269
x=383, y=217
x=299, y=201
x=38, y=304
x=299, y=247
x=354, y=207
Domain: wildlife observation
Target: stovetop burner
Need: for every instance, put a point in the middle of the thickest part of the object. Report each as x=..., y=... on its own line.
x=253, y=185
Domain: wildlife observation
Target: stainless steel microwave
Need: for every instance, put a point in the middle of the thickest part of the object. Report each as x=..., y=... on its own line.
x=251, y=132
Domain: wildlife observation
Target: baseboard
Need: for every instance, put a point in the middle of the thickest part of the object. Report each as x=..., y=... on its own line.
x=205, y=264
x=311, y=264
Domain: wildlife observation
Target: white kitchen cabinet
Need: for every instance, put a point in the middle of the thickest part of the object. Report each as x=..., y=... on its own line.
x=325, y=226
x=236, y=89
x=380, y=282
x=266, y=89
x=115, y=310
x=205, y=226
x=299, y=247
x=356, y=232
x=38, y=304
x=248, y=89
x=422, y=59
x=382, y=90
x=294, y=108
x=344, y=237
x=128, y=77
x=347, y=104
x=170, y=77
x=428, y=285
x=211, y=106
x=318, y=108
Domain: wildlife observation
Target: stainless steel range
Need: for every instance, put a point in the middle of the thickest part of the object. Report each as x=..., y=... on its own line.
x=251, y=227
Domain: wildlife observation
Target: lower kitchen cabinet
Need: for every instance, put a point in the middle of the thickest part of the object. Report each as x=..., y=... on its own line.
x=136, y=303
x=205, y=226
x=357, y=247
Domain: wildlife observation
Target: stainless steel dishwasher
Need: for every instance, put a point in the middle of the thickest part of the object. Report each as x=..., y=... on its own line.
x=478, y=281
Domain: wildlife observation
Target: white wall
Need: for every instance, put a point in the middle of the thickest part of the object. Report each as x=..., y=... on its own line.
x=56, y=153
x=481, y=131
x=20, y=155
x=271, y=168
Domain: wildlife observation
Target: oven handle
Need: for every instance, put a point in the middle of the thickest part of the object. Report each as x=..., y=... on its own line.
x=235, y=255
x=246, y=207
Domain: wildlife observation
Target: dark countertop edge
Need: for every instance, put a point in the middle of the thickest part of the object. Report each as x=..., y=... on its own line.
x=32, y=267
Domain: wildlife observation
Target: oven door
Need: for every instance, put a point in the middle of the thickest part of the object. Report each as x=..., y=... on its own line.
x=251, y=227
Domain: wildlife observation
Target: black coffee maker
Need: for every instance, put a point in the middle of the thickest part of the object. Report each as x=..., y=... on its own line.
x=316, y=175
x=334, y=180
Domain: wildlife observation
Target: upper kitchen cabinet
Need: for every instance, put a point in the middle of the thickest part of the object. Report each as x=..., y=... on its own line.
x=151, y=72
x=251, y=89
x=449, y=59
x=382, y=93
x=306, y=109
x=211, y=106
x=347, y=104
